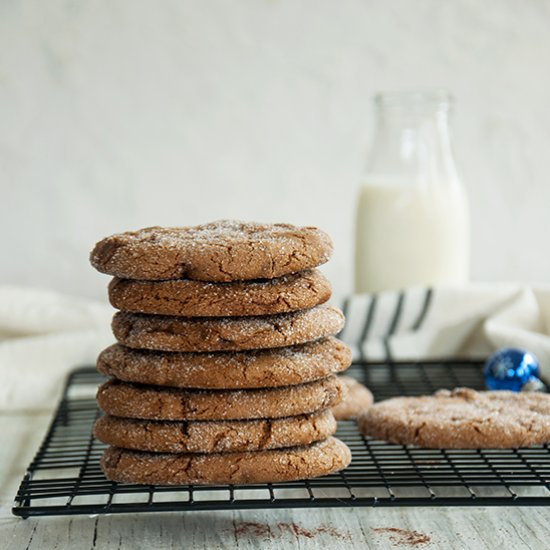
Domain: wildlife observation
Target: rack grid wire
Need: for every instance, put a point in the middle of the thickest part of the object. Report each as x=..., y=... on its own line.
x=65, y=478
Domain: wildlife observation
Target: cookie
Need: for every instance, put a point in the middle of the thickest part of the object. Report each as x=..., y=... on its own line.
x=462, y=419
x=215, y=437
x=227, y=370
x=219, y=251
x=322, y=458
x=155, y=403
x=357, y=401
x=159, y=332
x=189, y=298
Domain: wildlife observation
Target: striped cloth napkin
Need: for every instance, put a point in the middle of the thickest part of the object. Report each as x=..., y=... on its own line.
x=467, y=322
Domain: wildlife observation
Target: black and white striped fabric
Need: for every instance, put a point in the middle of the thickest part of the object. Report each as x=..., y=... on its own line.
x=428, y=323
x=373, y=319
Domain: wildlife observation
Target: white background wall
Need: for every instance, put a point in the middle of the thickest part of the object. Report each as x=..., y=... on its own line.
x=120, y=114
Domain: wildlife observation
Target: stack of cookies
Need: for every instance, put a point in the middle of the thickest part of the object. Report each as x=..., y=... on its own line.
x=224, y=370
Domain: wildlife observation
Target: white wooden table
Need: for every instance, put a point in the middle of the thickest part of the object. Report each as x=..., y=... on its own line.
x=449, y=528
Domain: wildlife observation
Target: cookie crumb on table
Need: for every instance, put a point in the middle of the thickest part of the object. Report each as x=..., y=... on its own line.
x=404, y=537
x=282, y=529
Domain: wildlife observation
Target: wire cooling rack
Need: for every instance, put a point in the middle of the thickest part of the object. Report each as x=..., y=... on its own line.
x=65, y=477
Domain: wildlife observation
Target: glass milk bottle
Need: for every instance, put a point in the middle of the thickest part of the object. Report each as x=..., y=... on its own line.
x=412, y=223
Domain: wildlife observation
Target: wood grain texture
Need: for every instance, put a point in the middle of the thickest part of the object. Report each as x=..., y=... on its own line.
x=343, y=528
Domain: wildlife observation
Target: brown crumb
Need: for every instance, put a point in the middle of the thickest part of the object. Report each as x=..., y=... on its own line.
x=263, y=530
x=404, y=537
x=334, y=533
x=296, y=529
x=252, y=528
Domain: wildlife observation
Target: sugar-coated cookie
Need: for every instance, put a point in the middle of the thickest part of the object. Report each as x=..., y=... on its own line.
x=227, y=370
x=215, y=436
x=322, y=458
x=164, y=333
x=225, y=250
x=159, y=403
x=462, y=419
x=357, y=401
x=189, y=298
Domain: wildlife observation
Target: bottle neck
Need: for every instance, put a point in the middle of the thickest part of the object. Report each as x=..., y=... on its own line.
x=412, y=145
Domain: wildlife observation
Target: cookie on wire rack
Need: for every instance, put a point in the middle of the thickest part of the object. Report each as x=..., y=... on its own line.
x=461, y=419
x=276, y=465
x=357, y=401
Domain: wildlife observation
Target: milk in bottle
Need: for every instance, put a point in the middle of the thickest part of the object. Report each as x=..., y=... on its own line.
x=412, y=218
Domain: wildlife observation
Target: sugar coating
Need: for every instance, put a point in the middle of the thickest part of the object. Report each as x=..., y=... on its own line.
x=225, y=250
x=227, y=370
x=187, y=322
x=189, y=298
x=156, y=403
x=165, y=333
x=215, y=436
x=322, y=458
x=462, y=419
x=357, y=401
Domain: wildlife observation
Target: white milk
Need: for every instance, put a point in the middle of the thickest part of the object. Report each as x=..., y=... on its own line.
x=409, y=233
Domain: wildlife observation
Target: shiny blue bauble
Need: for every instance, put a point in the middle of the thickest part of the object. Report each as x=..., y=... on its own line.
x=512, y=369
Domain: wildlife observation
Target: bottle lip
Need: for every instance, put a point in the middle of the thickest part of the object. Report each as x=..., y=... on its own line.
x=415, y=100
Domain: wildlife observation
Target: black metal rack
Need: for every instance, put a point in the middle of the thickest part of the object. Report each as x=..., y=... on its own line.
x=65, y=477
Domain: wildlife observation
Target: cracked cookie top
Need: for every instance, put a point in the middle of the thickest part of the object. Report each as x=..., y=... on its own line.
x=193, y=334
x=220, y=251
x=268, y=368
x=273, y=465
x=128, y=400
x=462, y=419
x=187, y=298
x=215, y=436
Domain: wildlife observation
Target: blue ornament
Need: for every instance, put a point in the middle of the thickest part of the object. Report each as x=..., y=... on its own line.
x=513, y=369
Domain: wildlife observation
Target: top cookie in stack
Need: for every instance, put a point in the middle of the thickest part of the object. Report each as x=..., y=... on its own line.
x=224, y=371
x=222, y=251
